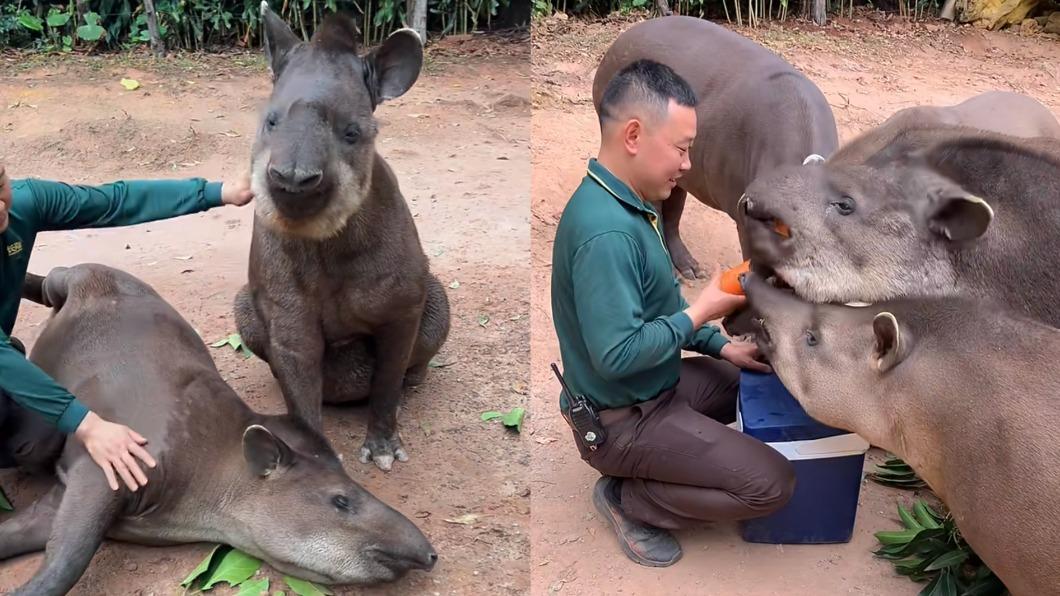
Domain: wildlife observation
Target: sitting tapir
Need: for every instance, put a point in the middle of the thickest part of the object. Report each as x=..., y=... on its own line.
x=962, y=390
x=934, y=211
x=756, y=112
x=340, y=301
x=270, y=486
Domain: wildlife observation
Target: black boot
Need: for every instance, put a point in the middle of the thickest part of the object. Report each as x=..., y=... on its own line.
x=644, y=544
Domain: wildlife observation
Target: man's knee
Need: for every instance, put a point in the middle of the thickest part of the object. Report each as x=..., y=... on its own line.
x=773, y=484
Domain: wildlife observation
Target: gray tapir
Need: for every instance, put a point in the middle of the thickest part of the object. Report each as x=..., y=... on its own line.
x=961, y=389
x=949, y=211
x=268, y=485
x=340, y=300
x=756, y=112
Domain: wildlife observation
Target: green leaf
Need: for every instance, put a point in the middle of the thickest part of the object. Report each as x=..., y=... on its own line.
x=235, y=568
x=454, y=285
x=491, y=415
x=236, y=341
x=514, y=418
x=92, y=18
x=5, y=504
x=483, y=320
x=304, y=588
x=925, y=515
x=58, y=19
x=438, y=364
x=279, y=593
x=216, y=553
x=254, y=588
x=68, y=41
x=130, y=84
x=30, y=22
x=90, y=32
x=932, y=588
x=950, y=559
x=908, y=519
x=896, y=537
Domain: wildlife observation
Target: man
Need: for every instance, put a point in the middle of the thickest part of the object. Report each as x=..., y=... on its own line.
x=669, y=460
x=28, y=207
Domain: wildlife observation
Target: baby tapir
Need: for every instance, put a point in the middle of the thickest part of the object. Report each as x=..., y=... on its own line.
x=340, y=300
x=961, y=390
x=756, y=112
x=268, y=485
x=933, y=211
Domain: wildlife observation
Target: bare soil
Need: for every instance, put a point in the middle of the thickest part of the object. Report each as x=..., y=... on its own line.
x=868, y=67
x=459, y=143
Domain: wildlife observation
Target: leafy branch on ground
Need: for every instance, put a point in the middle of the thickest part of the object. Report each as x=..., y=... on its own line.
x=512, y=418
x=236, y=341
x=225, y=564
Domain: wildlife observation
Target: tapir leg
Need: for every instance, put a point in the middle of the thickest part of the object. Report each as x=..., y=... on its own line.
x=252, y=329
x=434, y=330
x=27, y=530
x=348, y=372
x=393, y=348
x=87, y=509
x=671, y=210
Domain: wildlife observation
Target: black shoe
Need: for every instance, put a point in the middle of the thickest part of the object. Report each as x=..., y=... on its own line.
x=17, y=344
x=644, y=544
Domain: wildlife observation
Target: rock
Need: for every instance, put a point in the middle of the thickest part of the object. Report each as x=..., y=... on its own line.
x=1053, y=24
x=1029, y=27
x=996, y=14
x=130, y=566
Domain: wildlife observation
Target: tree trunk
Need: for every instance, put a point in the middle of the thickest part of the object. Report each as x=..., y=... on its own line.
x=82, y=8
x=664, y=8
x=819, y=12
x=419, y=18
x=152, y=29
x=949, y=11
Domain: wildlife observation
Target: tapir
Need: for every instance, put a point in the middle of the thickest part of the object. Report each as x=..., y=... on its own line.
x=270, y=486
x=755, y=113
x=964, y=390
x=937, y=211
x=340, y=300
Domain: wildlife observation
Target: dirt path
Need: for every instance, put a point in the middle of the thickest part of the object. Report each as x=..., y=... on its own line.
x=867, y=69
x=459, y=143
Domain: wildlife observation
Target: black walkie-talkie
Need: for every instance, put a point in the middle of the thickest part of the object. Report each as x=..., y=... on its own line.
x=583, y=416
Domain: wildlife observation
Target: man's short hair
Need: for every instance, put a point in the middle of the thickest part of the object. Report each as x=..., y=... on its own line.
x=647, y=83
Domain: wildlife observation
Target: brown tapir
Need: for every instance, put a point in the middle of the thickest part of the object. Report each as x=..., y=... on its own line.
x=756, y=112
x=949, y=211
x=270, y=486
x=340, y=299
x=962, y=390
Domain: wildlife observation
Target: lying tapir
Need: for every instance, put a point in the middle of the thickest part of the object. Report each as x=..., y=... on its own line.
x=340, y=300
x=963, y=391
x=268, y=485
x=948, y=211
x=756, y=112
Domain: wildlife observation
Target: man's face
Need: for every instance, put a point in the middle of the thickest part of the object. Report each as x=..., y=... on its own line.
x=5, y=199
x=663, y=152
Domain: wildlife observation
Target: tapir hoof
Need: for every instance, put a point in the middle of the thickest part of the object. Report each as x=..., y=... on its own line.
x=382, y=452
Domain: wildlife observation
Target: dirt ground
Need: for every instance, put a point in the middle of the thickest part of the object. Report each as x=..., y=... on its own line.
x=459, y=143
x=868, y=68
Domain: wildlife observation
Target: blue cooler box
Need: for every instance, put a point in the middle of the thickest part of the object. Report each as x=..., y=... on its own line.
x=828, y=465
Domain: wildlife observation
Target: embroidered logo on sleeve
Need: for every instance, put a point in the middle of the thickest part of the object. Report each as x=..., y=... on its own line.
x=14, y=249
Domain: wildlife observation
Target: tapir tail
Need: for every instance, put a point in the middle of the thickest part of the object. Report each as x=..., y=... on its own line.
x=50, y=291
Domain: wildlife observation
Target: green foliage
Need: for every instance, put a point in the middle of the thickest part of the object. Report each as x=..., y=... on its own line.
x=56, y=25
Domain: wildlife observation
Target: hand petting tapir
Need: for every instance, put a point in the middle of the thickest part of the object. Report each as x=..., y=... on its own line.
x=962, y=390
x=340, y=300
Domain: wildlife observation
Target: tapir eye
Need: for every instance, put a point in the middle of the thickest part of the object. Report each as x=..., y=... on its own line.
x=270, y=121
x=341, y=502
x=811, y=339
x=845, y=205
x=352, y=134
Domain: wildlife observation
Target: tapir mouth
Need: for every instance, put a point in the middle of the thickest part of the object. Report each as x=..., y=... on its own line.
x=402, y=562
x=301, y=205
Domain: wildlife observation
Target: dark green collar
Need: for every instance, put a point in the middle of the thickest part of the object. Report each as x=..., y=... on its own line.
x=618, y=189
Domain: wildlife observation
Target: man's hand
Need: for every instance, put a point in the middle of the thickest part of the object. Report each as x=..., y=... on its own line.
x=112, y=447
x=237, y=192
x=744, y=355
x=5, y=198
x=713, y=302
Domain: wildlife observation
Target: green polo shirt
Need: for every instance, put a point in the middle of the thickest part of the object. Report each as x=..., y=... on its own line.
x=616, y=304
x=39, y=206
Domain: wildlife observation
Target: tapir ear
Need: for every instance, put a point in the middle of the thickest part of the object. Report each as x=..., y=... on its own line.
x=263, y=450
x=889, y=349
x=959, y=217
x=279, y=40
x=393, y=67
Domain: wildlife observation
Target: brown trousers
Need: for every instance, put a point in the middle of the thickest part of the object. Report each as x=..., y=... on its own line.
x=682, y=465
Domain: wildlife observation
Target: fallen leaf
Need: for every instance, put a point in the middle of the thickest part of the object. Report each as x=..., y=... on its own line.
x=130, y=84
x=187, y=258
x=546, y=440
x=5, y=504
x=454, y=285
x=304, y=588
x=205, y=565
x=235, y=568
x=437, y=364
x=483, y=320
x=254, y=588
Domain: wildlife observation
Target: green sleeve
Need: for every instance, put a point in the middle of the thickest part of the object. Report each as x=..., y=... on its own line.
x=708, y=339
x=609, y=301
x=34, y=390
x=61, y=206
